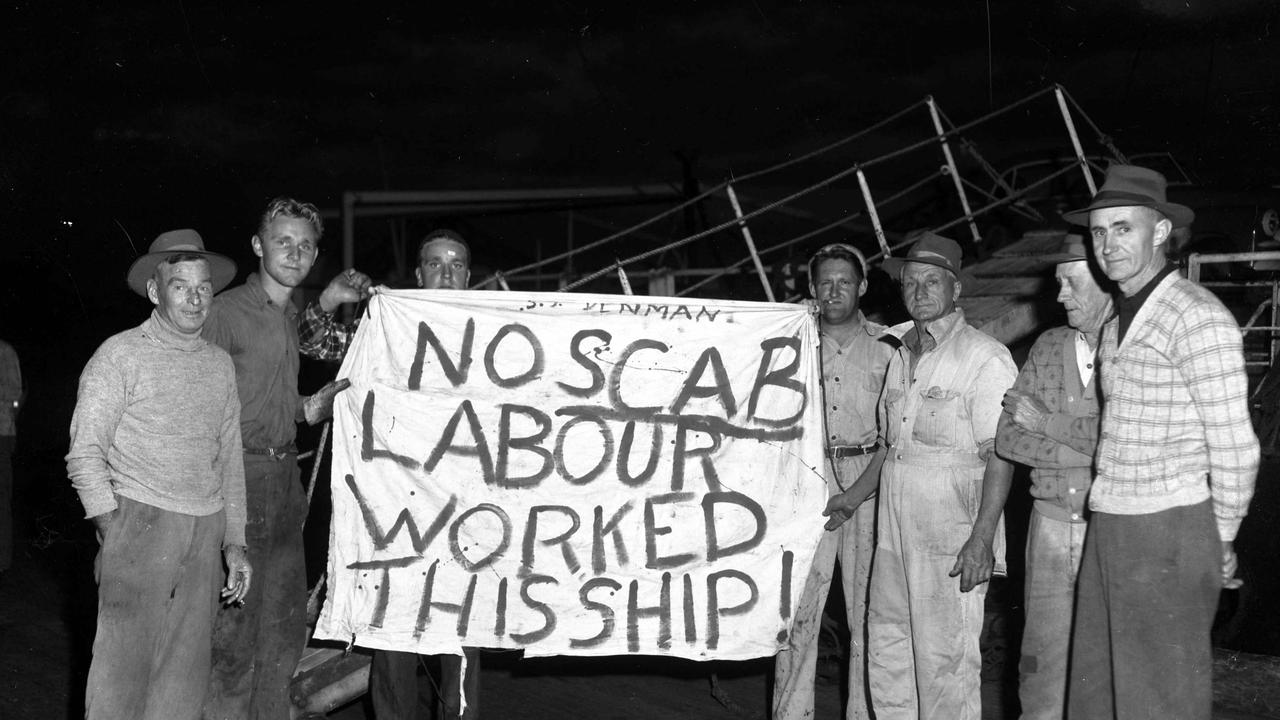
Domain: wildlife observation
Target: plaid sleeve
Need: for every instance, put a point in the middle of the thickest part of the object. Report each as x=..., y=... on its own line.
x=321, y=336
x=1031, y=448
x=1213, y=368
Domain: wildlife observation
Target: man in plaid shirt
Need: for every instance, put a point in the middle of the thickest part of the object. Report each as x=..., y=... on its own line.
x=1176, y=466
x=1050, y=423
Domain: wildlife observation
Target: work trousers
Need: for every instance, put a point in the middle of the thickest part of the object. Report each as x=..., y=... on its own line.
x=394, y=687
x=1147, y=594
x=6, y=501
x=256, y=646
x=158, y=578
x=795, y=668
x=1054, y=549
x=924, y=662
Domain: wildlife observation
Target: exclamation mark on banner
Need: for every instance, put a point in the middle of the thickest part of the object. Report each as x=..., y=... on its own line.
x=784, y=607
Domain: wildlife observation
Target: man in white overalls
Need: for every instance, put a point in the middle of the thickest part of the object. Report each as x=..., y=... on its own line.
x=942, y=489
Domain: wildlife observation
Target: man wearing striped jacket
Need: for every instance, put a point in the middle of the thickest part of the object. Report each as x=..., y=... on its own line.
x=1176, y=465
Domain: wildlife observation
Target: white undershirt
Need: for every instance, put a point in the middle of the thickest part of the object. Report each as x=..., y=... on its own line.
x=1086, y=358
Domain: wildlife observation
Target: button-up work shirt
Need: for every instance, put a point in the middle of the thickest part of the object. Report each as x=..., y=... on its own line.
x=854, y=375
x=947, y=399
x=262, y=339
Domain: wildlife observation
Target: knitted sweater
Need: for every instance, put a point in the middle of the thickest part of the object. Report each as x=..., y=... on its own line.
x=1175, y=418
x=157, y=420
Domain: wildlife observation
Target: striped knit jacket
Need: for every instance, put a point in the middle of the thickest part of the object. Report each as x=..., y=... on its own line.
x=1175, y=419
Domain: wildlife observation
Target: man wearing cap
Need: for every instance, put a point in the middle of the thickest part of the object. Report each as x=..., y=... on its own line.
x=1050, y=423
x=155, y=458
x=257, y=644
x=1176, y=465
x=942, y=489
x=443, y=263
x=853, y=365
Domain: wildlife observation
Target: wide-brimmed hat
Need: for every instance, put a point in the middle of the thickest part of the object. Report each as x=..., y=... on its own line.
x=1130, y=185
x=930, y=249
x=1072, y=249
x=222, y=269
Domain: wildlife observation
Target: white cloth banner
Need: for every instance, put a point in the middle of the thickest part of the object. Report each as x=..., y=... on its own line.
x=574, y=474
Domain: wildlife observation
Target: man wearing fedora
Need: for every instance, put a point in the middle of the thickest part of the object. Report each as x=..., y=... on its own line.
x=1176, y=465
x=155, y=458
x=942, y=490
x=256, y=645
x=854, y=359
x=1050, y=423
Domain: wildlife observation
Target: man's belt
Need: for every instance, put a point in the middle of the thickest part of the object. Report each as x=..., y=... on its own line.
x=274, y=453
x=844, y=451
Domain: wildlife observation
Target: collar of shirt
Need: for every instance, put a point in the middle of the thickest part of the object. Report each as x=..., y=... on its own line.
x=937, y=331
x=1128, y=307
x=254, y=284
x=865, y=327
x=1085, y=356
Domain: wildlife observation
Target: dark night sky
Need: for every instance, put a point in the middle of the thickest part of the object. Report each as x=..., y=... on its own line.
x=132, y=118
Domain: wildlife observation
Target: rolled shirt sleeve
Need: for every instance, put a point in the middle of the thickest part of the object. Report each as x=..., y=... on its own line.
x=995, y=376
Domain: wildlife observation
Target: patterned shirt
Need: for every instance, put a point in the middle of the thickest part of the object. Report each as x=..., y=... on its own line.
x=1176, y=410
x=1061, y=456
x=321, y=336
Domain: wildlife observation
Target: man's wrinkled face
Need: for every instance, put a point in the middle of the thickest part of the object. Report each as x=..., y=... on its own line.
x=181, y=293
x=288, y=249
x=928, y=291
x=1128, y=241
x=443, y=264
x=1086, y=303
x=838, y=288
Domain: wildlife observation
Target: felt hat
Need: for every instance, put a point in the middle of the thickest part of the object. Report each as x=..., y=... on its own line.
x=1133, y=186
x=930, y=249
x=222, y=269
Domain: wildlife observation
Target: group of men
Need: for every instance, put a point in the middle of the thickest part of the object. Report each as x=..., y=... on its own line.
x=183, y=453
x=1133, y=419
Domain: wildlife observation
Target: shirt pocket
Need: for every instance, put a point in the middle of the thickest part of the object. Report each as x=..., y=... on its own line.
x=938, y=418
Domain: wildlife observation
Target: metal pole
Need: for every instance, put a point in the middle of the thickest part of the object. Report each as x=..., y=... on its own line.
x=751, y=244
x=626, y=284
x=951, y=168
x=871, y=212
x=1075, y=140
x=1275, y=320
